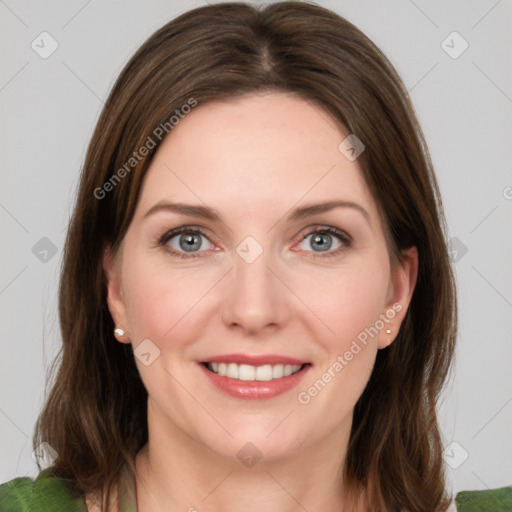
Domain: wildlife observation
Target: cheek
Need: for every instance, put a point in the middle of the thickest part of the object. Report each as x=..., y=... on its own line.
x=347, y=301
x=166, y=306
x=160, y=298
x=350, y=306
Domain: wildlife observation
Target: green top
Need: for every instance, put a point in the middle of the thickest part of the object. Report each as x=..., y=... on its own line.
x=50, y=494
x=495, y=500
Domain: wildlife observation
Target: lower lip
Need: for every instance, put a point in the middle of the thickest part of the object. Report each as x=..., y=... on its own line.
x=255, y=390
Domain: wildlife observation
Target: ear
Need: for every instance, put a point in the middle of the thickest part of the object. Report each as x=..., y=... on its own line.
x=115, y=300
x=401, y=287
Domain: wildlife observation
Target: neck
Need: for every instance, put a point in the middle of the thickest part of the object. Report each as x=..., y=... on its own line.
x=176, y=472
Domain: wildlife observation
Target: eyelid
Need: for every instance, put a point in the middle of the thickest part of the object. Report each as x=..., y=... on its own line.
x=325, y=228
x=171, y=233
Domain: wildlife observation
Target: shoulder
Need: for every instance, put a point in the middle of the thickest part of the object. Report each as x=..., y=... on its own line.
x=47, y=493
x=492, y=500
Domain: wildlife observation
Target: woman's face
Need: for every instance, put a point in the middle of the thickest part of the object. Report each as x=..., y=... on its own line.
x=253, y=282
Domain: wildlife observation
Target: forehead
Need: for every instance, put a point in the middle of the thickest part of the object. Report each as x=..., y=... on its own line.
x=262, y=153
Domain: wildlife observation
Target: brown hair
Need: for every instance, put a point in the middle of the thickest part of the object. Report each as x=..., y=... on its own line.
x=95, y=414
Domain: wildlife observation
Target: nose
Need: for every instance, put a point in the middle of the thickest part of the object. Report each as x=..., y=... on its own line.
x=256, y=299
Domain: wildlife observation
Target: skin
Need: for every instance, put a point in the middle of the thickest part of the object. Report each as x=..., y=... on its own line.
x=253, y=159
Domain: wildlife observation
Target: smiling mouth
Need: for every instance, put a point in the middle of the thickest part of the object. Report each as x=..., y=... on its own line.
x=246, y=372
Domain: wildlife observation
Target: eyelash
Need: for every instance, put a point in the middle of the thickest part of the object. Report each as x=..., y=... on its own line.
x=343, y=237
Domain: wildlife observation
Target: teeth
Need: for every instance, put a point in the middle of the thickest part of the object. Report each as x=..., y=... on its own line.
x=277, y=371
x=264, y=372
x=232, y=371
x=253, y=373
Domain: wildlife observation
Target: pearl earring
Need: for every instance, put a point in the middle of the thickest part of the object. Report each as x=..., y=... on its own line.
x=121, y=336
x=388, y=331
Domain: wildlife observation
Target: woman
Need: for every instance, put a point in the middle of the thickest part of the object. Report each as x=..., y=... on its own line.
x=256, y=301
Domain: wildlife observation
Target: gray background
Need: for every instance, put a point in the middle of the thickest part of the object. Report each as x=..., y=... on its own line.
x=48, y=111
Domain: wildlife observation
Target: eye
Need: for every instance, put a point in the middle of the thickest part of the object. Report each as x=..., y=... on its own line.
x=185, y=242
x=322, y=239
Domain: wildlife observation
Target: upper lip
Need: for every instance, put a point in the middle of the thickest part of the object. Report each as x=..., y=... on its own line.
x=255, y=360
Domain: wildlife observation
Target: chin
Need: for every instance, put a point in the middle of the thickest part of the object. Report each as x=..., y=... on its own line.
x=260, y=441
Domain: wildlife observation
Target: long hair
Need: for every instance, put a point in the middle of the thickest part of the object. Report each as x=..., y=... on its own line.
x=95, y=415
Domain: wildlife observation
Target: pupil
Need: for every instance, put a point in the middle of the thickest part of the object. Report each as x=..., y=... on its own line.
x=324, y=245
x=190, y=242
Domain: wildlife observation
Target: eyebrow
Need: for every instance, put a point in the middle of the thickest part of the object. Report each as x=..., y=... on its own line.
x=302, y=212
